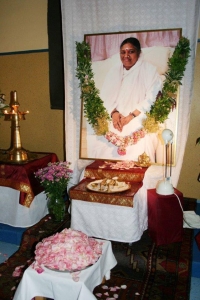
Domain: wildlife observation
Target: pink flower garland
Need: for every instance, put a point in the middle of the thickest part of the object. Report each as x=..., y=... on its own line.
x=123, y=141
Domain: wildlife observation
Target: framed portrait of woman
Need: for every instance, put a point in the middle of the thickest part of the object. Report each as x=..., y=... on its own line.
x=129, y=71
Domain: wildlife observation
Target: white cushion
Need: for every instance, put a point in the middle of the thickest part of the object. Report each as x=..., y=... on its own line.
x=100, y=69
x=156, y=55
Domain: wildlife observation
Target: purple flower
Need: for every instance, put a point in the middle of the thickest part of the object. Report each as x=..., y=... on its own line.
x=54, y=178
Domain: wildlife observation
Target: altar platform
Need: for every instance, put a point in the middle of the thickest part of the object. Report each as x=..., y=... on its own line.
x=119, y=216
x=12, y=235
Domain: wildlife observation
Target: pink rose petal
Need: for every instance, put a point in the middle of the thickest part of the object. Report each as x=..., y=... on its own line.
x=40, y=270
x=98, y=294
x=75, y=277
x=113, y=289
x=123, y=287
x=104, y=287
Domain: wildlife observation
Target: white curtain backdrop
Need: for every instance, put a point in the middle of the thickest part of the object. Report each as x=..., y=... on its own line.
x=81, y=17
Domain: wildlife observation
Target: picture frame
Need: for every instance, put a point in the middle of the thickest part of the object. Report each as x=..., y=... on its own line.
x=157, y=46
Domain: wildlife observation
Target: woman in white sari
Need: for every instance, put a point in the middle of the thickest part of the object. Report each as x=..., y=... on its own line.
x=129, y=90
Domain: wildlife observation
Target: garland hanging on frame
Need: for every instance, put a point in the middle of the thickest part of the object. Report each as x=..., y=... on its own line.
x=97, y=115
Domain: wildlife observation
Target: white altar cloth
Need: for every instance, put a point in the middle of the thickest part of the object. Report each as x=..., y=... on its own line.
x=60, y=285
x=14, y=214
x=112, y=222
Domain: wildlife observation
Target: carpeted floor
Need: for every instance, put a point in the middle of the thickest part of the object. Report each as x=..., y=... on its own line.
x=25, y=255
x=148, y=272
x=151, y=272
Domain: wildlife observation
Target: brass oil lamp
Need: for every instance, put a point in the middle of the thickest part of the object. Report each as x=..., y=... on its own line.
x=16, y=153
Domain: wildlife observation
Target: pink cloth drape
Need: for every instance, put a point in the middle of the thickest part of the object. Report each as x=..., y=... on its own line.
x=105, y=45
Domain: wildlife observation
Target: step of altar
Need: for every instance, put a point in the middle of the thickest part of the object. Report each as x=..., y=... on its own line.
x=13, y=235
x=195, y=250
x=10, y=234
x=123, y=171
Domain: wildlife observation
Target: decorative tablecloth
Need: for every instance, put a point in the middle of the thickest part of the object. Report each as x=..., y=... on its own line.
x=104, y=169
x=116, y=222
x=165, y=217
x=60, y=285
x=20, y=176
x=125, y=198
x=22, y=200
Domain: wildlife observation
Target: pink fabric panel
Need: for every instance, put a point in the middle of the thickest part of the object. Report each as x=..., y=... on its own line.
x=105, y=45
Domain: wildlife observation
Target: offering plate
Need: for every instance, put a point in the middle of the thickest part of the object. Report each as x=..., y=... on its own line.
x=109, y=186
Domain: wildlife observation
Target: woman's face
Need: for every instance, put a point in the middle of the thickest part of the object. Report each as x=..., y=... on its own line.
x=129, y=55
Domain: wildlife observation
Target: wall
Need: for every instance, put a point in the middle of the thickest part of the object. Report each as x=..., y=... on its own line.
x=27, y=72
x=25, y=29
x=24, y=24
x=188, y=182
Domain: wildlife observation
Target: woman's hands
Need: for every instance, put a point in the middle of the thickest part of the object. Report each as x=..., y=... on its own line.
x=119, y=121
x=126, y=120
x=116, y=119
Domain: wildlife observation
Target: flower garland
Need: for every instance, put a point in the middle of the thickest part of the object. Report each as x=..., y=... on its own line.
x=122, y=142
x=96, y=113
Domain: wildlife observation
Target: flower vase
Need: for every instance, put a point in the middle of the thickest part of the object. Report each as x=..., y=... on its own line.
x=56, y=208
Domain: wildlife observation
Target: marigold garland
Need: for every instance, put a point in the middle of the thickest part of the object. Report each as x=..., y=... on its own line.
x=96, y=113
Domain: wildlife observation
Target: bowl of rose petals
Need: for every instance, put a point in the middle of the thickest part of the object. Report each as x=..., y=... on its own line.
x=67, y=251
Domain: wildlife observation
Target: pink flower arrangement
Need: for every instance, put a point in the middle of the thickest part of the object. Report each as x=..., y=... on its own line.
x=54, y=178
x=69, y=250
x=122, y=142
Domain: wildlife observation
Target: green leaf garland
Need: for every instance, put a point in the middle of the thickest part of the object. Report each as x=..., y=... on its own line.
x=93, y=107
x=166, y=100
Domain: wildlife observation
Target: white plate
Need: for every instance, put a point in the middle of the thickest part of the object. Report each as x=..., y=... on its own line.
x=119, y=187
